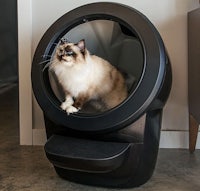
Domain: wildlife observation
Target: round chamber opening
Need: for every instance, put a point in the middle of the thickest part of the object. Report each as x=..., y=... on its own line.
x=112, y=41
x=119, y=34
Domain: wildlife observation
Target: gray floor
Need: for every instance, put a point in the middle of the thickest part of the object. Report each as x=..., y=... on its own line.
x=26, y=167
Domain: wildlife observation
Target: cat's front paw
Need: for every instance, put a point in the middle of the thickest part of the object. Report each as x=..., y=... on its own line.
x=67, y=103
x=71, y=109
x=64, y=106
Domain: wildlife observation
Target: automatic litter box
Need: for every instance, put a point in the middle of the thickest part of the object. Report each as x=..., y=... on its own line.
x=117, y=147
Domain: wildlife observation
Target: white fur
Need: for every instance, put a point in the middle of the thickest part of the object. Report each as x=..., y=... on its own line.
x=78, y=78
x=67, y=103
x=81, y=77
x=71, y=109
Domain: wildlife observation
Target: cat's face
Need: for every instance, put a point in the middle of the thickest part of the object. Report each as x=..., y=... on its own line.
x=71, y=54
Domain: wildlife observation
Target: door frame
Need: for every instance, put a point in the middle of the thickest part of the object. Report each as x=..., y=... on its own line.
x=24, y=68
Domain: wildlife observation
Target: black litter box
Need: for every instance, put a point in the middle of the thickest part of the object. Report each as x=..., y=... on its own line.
x=117, y=147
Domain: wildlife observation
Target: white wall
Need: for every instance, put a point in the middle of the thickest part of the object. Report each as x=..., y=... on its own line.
x=170, y=18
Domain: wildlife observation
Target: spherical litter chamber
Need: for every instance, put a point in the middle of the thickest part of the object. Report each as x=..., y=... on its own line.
x=108, y=149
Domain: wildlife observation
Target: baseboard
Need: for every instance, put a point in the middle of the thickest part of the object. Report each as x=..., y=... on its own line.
x=176, y=139
x=168, y=139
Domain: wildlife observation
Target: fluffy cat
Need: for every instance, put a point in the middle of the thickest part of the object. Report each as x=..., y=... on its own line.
x=85, y=77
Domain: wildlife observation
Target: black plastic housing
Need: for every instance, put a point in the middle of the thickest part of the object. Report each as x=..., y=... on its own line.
x=93, y=149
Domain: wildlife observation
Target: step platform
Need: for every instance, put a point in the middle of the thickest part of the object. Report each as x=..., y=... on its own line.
x=85, y=155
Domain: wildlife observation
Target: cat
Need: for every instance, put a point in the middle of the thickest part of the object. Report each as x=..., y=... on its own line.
x=85, y=77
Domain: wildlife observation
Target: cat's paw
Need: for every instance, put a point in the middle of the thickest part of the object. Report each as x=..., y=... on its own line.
x=71, y=109
x=66, y=104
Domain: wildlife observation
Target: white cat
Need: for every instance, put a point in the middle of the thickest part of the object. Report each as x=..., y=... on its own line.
x=86, y=77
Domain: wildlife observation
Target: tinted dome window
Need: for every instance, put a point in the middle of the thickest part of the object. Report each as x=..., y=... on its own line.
x=113, y=42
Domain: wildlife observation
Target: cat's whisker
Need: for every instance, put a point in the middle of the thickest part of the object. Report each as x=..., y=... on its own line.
x=54, y=62
x=46, y=66
x=45, y=56
x=44, y=61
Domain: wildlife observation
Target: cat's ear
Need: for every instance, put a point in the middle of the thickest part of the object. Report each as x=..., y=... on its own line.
x=81, y=45
x=63, y=41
